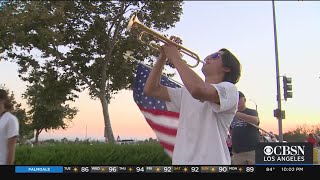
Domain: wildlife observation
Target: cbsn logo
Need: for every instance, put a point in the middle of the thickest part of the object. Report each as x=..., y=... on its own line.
x=284, y=153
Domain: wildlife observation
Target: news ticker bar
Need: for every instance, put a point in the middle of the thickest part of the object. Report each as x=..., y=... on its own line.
x=134, y=169
x=76, y=169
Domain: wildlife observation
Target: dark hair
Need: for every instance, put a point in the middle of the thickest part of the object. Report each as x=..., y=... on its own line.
x=241, y=94
x=7, y=102
x=230, y=61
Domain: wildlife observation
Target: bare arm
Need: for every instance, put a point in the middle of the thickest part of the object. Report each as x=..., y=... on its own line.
x=11, y=150
x=248, y=118
x=153, y=87
x=194, y=84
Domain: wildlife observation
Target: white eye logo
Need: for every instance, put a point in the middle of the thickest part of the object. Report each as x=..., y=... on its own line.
x=268, y=150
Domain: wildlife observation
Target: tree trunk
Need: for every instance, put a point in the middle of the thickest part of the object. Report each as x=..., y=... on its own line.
x=36, y=141
x=108, y=134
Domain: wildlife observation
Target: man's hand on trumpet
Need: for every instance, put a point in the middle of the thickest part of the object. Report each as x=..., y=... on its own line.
x=162, y=56
x=171, y=52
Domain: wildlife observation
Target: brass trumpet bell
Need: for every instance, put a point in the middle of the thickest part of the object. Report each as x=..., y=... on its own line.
x=134, y=23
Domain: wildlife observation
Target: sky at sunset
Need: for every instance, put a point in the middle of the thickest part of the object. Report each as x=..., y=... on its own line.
x=246, y=29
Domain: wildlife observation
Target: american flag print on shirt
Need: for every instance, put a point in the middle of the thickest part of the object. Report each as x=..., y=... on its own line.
x=164, y=123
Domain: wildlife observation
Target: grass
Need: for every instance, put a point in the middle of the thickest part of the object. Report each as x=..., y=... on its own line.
x=95, y=154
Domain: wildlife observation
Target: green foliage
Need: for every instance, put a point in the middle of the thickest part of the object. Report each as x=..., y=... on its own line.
x=84, y=40
x=95, y=154
x=47, y=96
x=293, y=136
x=300, y=133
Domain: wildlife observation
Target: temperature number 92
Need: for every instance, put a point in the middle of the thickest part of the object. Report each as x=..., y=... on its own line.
x=167, y=169
x=195, y=169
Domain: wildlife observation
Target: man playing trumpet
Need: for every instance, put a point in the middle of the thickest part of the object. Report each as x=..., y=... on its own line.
x=206, y=107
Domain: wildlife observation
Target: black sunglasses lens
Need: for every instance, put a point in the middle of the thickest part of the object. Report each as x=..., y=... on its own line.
x=215, y=55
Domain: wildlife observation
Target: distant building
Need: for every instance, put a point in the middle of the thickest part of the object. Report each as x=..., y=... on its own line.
x=125, y=141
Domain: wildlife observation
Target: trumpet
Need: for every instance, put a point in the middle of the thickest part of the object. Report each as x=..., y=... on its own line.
x=136, y=24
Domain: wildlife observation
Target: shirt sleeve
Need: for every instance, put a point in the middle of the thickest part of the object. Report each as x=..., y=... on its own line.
x=228, y=96
x=12, y=127
x=175, y=95
x=254, y=113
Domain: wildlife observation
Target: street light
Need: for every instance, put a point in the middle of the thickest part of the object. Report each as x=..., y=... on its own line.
x=278, y=111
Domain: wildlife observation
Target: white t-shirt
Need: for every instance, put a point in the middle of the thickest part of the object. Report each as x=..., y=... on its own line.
x=9, y=127
x=203, y=126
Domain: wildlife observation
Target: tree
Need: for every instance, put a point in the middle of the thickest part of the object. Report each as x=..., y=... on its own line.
x=25, y=130
x=300, y=133
x=85, y=40
x=47, y=95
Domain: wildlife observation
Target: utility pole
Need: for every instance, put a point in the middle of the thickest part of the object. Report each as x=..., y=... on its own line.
x=278, y=112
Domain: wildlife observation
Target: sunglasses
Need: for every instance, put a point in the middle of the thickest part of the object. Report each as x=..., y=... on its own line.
x=214, y=56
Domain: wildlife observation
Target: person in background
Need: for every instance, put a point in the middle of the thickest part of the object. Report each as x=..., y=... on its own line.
x=245, y=136
x=9, y=130
x=311, y=139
